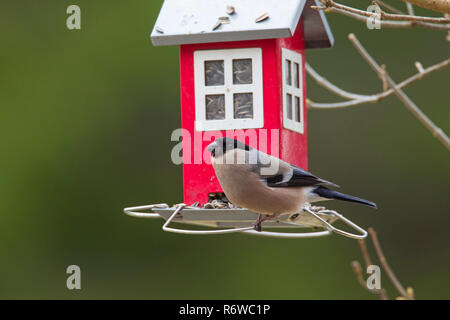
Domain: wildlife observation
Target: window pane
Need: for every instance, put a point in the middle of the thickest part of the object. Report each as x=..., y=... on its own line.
x=289, y=106
x=242, y=71
x=214, y=73
x=297, y=109
x=215, y=107
x=288, y=72
x=243, y=105
x=296, y=75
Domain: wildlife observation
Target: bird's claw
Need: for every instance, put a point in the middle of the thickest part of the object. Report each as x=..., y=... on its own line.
x=257, y=223
x=257, y=226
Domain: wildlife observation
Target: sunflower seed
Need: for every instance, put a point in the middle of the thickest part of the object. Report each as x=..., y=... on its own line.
x=230, y=10
x=217, y=25
x=262, y=17
x=159, y=29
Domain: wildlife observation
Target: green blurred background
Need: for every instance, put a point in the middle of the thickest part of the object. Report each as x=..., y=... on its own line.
x=86, y=118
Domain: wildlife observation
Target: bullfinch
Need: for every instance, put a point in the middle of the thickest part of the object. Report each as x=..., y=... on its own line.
x=265, y=184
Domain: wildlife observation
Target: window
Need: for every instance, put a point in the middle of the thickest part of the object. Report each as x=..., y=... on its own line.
x=228, y=89
x=292, y=77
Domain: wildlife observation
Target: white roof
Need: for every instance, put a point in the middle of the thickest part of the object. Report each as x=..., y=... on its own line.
x=192, y=21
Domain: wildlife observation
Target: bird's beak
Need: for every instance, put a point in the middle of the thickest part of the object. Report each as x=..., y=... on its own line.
x=212, y=147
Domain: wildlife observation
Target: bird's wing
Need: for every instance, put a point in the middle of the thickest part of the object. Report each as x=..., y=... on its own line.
x=278, y=173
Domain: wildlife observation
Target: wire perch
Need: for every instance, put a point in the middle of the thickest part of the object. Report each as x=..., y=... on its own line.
x=234, y=220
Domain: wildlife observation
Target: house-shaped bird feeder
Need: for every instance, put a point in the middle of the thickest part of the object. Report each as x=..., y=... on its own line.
x=241, y=69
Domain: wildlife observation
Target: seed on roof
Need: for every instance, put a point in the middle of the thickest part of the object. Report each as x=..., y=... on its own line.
x=159, y=29
x=224, y=19
x=230, y=10
x=262, y=17
x=217, y=25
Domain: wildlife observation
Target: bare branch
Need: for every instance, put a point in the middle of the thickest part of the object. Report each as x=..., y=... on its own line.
x=392, y=24
x=388, y=7
x=358, y=271
x=410, y=9
x=356, y=267
x=364, y=252
x=409, y=104
x=359, y=277
x=383, y=24
x=419, y=67
x=357, y=99
x=448, y=34
x=410, y=293
x=325, y=83
x=364, y=16
x=385, y=264
x=383, y=15
x=336, y=105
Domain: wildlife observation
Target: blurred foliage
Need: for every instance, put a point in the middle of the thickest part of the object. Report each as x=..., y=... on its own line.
x=86, y=118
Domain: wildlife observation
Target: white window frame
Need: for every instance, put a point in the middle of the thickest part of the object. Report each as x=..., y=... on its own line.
x=228, y=89
x=291, y=89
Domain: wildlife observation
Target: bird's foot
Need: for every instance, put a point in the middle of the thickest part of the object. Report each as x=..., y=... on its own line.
x=257, y=223
x=261, y=219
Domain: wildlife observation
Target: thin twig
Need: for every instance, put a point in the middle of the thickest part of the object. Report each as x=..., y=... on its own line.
x=358, y=271
x=382, y=76
x=410, y=9
x=364, y=252
x=385, y=264
x=356, y=267
x=328, y=85
x=448, y=34
x=382, y=15
x=410, y=293
x=383, y=24
x=388, y=7
x=356, y=99
x=387, y=24
x=359, y=277
x=419, y=67
x=409, y=104
x=366, y=17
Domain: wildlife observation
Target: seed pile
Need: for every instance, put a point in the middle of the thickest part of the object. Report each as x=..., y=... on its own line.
x=218, y=204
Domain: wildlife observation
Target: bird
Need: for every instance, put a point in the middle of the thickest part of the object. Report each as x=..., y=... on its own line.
x=267, y=185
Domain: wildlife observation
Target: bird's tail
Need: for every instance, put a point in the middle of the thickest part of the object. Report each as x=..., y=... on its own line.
x=331, y=194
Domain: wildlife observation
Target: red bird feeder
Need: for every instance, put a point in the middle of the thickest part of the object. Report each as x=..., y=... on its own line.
x=241, y=71
x=242, y=75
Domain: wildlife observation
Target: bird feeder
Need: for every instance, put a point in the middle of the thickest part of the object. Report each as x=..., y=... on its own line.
x=241, y=70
